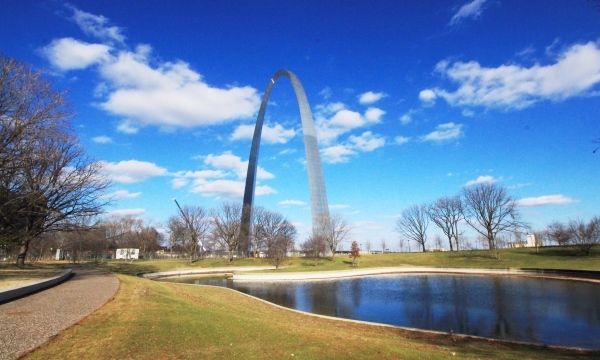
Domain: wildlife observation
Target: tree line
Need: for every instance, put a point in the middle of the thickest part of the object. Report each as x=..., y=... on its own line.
x=492, y=212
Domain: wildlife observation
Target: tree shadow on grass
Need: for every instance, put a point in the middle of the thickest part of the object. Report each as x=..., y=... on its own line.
x=126, y=268
x=565, y=252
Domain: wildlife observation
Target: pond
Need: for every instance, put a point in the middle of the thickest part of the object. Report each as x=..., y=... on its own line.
x=535, y=310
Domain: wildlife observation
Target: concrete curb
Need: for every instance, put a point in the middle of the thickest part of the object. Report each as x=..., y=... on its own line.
x=17, y=292
x=325, y=275
x=203, y=271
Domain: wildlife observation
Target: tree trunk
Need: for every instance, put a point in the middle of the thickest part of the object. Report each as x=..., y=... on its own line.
x=491, y=243
x=22, y=252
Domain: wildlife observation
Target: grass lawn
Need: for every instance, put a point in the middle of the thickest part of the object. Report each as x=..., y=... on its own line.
x=159, y=320
x=546, y=258
x=148, y=319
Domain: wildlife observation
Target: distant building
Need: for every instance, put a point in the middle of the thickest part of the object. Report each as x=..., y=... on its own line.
x=530, y=241
x=127, y=254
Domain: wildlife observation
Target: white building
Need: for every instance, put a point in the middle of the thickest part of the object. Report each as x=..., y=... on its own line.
x=127, y=254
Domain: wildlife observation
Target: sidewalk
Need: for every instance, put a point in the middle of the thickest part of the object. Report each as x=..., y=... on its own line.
x=28, y=322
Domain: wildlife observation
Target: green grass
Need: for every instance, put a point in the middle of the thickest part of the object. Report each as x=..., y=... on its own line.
x=158, y=320
x=546, y=258
x=148, y=319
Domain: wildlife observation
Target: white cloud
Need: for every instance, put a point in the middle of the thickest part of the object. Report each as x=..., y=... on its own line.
x=575, y=72
x=427, y=96
x=132, y=171
x=171, y=94
x=340, y=206
x=102, y=139
x=182, y=178
x=287, y=151
x=444, y=132
x=292, y=202
x=373, y=115
x=217, y=182
x=337, y=154
x=70, y=54
x=144, y=91
x=329, y=128
x=401, y=140
x=229, y=188
x=469, y=10
x=468, y=113
x=127, y=128
x=228, y=161
x=546, y=200
x=482, y=179
x=123, y=194
x=370, y=97
x=96, y=25
x=367, y=141
x=325, y=93
x=126, y=212
x=407, y=117
x=270, y=134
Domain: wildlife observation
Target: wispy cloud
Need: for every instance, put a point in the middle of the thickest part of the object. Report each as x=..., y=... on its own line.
x=482, y=179
x=575, y=72
x=132, y=171
x=444, y=132
x=126, y=212
x=97, y=26
x=546, y=200
x=102, y=139
x=123, y=194
x=225, y=178
x=275, y=134
x=401, y=140
x=469, y=10
x=292, y=202
x=339, y=206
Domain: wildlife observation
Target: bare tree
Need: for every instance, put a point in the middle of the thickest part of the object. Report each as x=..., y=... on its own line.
x=438, y=241
x=46, y=180
x=559, y=233
x=177, y=230
x=314, y=247
x=446, y=212
x=334, y=229
x=197, y=223
x=401, y=243
x=413, y=223
x=585, y=235
x=383, y=245
x=489, y=210
x=368, y=246
x=276, y=233
x=226, y=227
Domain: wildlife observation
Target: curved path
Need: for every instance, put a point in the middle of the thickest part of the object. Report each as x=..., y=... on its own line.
x=28, y=322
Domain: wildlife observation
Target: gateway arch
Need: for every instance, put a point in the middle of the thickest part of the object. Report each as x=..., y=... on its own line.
x=316, y=182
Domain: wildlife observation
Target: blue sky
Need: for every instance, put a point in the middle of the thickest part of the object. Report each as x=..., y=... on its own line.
x=412, y=100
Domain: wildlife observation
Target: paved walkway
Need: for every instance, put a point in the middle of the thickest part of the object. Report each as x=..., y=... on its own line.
x=28, y=322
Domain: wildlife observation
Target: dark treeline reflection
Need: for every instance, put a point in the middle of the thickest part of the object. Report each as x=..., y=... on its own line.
x=546, y=311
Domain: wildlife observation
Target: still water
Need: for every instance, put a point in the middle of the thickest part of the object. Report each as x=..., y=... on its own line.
x=543, y=311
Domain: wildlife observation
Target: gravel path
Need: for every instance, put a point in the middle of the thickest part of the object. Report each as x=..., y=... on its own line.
x=28, y=322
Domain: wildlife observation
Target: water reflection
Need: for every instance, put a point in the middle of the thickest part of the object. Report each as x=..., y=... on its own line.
x=546, y=311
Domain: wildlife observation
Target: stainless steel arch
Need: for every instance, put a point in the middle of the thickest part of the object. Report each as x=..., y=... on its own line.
x=316, y=182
